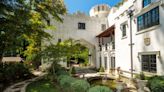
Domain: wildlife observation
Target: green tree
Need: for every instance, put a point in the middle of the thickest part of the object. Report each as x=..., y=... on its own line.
x=66, y=49
x=25, y=21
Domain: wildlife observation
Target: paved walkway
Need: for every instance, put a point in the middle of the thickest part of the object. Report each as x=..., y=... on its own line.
x=21, y=86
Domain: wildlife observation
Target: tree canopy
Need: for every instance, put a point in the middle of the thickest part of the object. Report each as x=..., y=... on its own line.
x=23, y=24
x=67, y=49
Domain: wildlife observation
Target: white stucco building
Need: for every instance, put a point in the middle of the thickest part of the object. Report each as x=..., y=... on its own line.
x=106, y=32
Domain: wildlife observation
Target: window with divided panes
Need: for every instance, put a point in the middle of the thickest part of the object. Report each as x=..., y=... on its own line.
x=81, y=25
x=149, y=63
x=149, y=19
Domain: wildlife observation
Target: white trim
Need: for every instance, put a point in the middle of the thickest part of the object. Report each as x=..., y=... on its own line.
x=149, y=53
x=157, y=53
x=147, y=8
x=124, y=37
x=153, y=28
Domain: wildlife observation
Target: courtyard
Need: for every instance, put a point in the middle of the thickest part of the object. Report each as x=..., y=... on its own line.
x=81, y=46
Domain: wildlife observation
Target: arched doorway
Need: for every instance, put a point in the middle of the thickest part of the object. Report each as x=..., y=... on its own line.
x=84, y=53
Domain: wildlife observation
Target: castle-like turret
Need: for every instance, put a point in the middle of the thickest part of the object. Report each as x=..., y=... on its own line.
x=101, y=10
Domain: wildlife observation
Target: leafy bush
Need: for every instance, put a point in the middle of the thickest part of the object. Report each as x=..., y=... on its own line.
x=102, y=69
x=80, y=86
x=141, y=76
x=13, y=72
x=54, y=68
x=65, y=82
x=100, y=89
x=61, y=72
x=156, y=84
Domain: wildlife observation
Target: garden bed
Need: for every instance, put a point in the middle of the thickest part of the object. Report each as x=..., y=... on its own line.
x=42, y=86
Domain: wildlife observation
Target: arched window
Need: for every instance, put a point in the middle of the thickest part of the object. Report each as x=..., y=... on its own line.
x=146, y=2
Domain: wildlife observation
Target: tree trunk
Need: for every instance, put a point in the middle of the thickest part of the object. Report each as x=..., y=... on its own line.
x=1, y=58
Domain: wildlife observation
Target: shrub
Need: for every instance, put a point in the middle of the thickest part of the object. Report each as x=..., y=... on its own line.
x=13, y=72
x=61, y=72
x=100, y=89
x=102, y=69
x=72, y=70
x=65, y=82
x=54, y=68
x=156, y=84
x=80, y=86
x=141, y=76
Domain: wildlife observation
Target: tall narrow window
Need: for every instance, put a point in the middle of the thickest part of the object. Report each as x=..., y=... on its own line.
x=123, y=30
x=103, y=27
x=113, y=62
x=103, y=8
x=113, y=45
x=106, y=46
x=105, y=62
x=100, y=47
x=100, y=61
x=146, y=2
x=98, y=8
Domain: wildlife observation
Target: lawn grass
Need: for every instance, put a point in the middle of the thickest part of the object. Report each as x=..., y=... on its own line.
x=42, y=86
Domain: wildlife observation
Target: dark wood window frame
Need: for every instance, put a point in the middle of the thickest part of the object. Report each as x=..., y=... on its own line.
x=149, y=63
x=81, y=25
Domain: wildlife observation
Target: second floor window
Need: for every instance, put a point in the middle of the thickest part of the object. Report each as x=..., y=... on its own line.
x=149, y=19
x=123, y=30
x=98, y=8
x=103, y=27
x=106, y=46
x=146, y=2
x=81, y=25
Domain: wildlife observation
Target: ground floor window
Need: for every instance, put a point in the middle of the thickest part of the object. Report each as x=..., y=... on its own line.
x=100, y=61
x=149, y=63
x=105, y=62
x=112, y=62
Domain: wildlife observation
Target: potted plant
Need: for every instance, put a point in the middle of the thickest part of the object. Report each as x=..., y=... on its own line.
x=101, y=70
x=112, y=71
x=141, y=82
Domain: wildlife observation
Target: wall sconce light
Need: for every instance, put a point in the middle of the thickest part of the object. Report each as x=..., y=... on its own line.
x=138, y=56
x=134, y=21
x=127, y=25
x=121, y=27
x=159, y=54
x=162, y=3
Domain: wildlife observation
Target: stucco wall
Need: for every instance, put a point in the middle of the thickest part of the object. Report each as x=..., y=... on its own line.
x=69, y=29
x=155, y=33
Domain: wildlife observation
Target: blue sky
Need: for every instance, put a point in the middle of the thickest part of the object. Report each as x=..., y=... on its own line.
x=85, y=5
